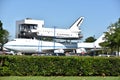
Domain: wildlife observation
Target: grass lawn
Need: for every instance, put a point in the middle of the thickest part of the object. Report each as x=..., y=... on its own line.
x=57, y=78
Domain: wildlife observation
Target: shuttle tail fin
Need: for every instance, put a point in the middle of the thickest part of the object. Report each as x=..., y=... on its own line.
x=76, y=24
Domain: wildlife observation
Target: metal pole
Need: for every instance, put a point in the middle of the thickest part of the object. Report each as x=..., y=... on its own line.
x=41, y=42
x=94, y=47
x=54, y=37
x=38, y=44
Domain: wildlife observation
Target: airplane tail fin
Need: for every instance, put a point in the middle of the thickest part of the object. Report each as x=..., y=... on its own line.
x=99, y=40
x=76, y=24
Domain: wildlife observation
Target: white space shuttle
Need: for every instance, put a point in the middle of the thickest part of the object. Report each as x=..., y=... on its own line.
x=29, y=28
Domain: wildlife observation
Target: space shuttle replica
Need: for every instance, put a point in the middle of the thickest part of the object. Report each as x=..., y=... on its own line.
x=29, y=28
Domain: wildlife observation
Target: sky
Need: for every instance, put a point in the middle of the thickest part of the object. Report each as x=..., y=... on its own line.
x=98, y=14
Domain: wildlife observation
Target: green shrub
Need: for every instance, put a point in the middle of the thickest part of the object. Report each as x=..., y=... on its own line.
x=59, y=66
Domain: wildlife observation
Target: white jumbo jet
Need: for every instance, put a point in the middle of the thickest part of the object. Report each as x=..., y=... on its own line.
x=34, y=45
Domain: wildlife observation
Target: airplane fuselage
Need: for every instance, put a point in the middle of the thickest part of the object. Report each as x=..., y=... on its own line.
x=32, y=45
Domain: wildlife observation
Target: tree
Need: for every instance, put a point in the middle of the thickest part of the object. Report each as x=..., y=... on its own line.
x=1, y=26
x=112, y=37
x=109, y=41
x=90, y=39
x=3, y=35
x=117, y=35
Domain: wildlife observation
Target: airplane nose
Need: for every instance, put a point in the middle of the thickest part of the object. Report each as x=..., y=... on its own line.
x=6, y=46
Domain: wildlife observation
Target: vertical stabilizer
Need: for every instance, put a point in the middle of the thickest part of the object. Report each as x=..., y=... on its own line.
x=99, y=40
x=76, y=24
